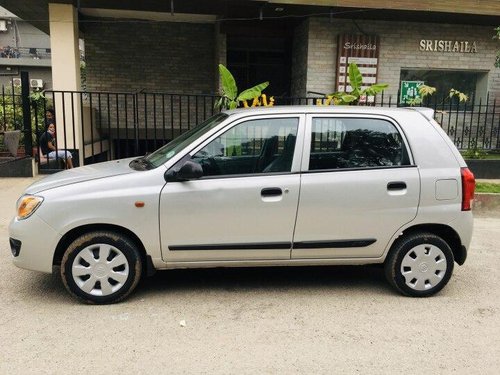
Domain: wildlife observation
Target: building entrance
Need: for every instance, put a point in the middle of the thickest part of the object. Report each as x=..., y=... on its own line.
x=253, y=60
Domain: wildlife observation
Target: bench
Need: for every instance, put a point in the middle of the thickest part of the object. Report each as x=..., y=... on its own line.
x=44, y=161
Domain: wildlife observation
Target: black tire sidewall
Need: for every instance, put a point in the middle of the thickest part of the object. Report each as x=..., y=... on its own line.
x=405, y=247
x=116, y=240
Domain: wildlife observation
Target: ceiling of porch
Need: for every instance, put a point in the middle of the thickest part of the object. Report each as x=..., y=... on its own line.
x=486, y=12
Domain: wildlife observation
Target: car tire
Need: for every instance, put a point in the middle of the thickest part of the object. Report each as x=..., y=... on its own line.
x=101, y=267
x=419, y=264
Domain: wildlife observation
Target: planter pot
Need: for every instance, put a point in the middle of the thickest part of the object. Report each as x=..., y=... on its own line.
x=485, y=168
x=11, y=141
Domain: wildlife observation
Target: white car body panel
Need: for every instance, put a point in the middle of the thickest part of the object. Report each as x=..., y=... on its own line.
x=183, y=213
x=38, y=245
x=109, y=201
x=332, y=208
x=82, y=174
x=243, y=217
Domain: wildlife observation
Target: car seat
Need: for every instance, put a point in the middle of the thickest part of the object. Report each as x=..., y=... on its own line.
x=284, y=162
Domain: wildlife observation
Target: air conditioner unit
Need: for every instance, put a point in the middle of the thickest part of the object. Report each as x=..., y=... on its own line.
x=36, y=83
x=16, y=82
x=3, y=25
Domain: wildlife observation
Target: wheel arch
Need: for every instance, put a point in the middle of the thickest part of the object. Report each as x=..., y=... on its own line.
x=446, y=232
x=74, y=233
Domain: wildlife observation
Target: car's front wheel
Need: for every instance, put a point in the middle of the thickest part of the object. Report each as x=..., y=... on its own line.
x=101, y=267
x=419, y=264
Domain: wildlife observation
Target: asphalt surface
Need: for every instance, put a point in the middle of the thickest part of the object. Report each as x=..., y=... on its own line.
x=323, y=320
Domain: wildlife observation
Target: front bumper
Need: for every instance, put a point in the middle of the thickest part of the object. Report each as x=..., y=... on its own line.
x=38, y=242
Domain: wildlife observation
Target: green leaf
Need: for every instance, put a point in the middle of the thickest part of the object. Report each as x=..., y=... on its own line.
x=218, y=103
x=375, y=89
x=379, y=87
x=233, y=104
x=347, y=98
x=355, y=77
x=252, y=92
x=228, y=83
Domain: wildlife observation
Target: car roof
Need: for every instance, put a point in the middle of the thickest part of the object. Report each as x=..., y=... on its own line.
x=426, y=112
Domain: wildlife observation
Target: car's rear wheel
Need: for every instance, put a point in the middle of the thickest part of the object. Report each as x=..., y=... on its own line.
x=419, y=265
x=101, y=267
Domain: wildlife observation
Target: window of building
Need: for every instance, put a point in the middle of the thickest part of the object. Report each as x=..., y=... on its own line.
x=471, y=83
x=253, y=60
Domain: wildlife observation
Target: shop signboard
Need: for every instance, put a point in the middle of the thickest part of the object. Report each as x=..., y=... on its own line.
x=409, y=91
x=363, y=50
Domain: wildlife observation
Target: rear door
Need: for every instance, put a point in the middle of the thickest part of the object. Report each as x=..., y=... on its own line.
x=358, y=187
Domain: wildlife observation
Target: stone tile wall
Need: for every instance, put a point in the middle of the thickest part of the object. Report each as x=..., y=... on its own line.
x=399, y=48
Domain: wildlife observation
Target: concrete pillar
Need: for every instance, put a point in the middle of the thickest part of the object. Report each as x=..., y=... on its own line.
x=64, y=47
x=220, y=54
x=65, y=56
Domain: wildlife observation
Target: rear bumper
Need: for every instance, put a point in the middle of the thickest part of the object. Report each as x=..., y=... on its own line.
x=463, y=225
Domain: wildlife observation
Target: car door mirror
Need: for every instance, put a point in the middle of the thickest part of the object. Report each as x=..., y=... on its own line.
x=188, y=171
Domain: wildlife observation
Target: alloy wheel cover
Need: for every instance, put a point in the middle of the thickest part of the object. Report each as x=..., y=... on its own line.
x=424, y=267
x=100, y=270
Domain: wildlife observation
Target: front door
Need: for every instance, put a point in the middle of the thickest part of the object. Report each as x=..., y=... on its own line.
x=244, y=207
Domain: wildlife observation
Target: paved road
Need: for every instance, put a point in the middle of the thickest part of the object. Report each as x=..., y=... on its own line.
x=281, y=320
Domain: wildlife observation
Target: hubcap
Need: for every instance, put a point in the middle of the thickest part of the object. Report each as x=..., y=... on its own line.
x=423, y=267
x=100, y=269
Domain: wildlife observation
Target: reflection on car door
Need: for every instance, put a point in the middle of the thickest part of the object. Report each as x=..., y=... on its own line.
x=244, y=208
x=358, y=188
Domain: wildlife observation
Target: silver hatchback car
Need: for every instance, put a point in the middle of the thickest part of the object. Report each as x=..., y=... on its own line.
x=283, y=186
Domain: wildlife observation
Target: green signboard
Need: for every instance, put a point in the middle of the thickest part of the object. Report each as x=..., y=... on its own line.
x=409, y=91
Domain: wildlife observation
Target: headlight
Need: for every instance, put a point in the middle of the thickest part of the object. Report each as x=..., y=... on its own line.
x=26, y=205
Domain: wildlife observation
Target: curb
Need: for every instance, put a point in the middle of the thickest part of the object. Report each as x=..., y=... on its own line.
x=486, y=202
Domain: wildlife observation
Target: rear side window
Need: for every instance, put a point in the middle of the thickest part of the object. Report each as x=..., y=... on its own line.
x=338, y=143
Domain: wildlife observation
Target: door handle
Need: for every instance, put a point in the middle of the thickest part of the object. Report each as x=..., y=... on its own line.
x=271, y=192
x=396, y=185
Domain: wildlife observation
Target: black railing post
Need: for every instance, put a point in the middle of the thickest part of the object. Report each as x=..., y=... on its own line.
x=25, y=94
x=136, y=123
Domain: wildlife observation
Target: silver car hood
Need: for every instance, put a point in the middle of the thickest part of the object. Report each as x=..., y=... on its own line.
x=81, y=174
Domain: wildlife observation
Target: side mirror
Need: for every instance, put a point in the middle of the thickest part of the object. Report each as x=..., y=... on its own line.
x=188, y=171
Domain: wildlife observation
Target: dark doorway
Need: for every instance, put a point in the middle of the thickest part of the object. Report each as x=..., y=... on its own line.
x=256, y=59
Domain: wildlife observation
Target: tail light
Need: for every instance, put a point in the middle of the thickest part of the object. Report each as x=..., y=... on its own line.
x=468, y=186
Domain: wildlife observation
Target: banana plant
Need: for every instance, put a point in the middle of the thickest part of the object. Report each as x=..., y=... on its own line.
x=230, y=99
x=356, y=82
x=425, y=91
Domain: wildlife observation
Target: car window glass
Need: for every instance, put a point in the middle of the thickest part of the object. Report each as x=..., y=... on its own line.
x=251, y=147
x=355, y=143
x=172, y=148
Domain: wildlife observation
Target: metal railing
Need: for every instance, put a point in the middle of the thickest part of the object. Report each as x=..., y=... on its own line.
x=11, y=115
x=98, y=126
x=25, y=52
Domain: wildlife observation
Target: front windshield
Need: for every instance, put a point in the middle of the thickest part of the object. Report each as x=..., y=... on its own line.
x=172, y=148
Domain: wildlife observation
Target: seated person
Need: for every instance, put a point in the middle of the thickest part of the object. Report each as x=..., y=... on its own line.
x=47, y=145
